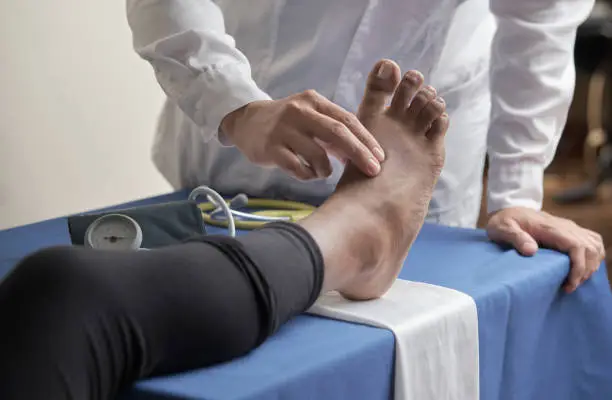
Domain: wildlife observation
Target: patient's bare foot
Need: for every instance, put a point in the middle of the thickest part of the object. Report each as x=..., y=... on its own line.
x=368, y=225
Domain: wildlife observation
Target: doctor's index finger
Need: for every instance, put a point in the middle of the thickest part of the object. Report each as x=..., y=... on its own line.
x=342, y=139
x=351, y=121
x=348, y=130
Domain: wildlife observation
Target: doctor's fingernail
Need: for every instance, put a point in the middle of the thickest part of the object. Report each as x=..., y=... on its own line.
x=373, y=166
x=384, y=71
x=379, y=153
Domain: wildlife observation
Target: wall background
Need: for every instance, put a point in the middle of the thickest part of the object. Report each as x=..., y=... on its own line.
x=77, y=110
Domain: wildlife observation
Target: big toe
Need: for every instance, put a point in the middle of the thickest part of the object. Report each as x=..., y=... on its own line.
x=381, y=84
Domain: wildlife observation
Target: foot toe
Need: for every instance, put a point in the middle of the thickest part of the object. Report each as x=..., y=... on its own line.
x=421, y=100
x=408, y=87
x=430, y=113
x=438, y=127
x=382, y=82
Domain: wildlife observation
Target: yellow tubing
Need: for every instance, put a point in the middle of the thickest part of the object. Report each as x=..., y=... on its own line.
x=271, y=208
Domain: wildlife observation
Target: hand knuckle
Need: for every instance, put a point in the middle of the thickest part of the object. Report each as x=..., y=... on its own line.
x=548, y=227
x=338, y=130
x=591, y=250
x=293, y=106
x=310, y=95
x=349, y=120
x=506, y=222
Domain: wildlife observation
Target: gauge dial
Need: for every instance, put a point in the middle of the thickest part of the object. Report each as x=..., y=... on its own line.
x=114, y=232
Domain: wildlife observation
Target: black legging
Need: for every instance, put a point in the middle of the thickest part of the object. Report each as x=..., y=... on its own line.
x=83, y=324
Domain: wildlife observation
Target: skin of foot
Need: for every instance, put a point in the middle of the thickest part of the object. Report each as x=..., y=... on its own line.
x=366, y=228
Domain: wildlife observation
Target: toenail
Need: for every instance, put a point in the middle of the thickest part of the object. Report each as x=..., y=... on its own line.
x=413, y=77
x=384, y=71
x=439, y=100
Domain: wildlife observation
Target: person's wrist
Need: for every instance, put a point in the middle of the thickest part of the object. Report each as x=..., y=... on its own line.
x=228, y=123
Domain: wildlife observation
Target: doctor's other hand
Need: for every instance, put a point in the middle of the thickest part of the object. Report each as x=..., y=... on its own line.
x=299, y=132
x=525, y=228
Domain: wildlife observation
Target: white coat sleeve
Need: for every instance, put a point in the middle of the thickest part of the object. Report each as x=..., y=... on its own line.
x=195, y=62
x=532, y=85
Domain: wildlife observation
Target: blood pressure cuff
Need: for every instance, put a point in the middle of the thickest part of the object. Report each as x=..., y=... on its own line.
x=161, y=224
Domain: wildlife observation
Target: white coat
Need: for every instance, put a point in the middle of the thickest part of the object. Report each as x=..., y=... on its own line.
x=504, y=67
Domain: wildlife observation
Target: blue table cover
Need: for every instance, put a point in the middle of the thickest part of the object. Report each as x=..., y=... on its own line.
x=535, y=341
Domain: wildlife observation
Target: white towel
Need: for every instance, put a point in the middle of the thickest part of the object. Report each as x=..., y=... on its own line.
x=436, y=333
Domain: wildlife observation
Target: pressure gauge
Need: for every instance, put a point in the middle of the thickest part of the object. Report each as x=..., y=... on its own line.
x=114, y=232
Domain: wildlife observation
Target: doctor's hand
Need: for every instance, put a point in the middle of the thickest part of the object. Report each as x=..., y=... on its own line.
x=525, y=228
x=298, y=133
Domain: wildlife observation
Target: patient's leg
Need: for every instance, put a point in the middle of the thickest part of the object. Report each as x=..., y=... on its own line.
x=367, y=227
x=83, y=324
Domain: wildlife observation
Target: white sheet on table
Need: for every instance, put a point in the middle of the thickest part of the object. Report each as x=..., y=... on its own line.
x=436, y=333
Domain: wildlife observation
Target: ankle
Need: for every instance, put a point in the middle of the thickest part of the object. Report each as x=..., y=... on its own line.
x=360, y=243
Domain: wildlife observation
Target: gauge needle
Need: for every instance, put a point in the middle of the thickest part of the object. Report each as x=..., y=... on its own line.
x=114, y=238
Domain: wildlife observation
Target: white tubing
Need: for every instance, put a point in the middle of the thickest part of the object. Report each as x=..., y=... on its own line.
x=218, y=201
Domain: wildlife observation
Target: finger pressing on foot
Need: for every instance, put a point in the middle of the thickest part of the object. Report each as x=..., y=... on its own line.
x=407, y=89
x=381, y=85
x=438, y=127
